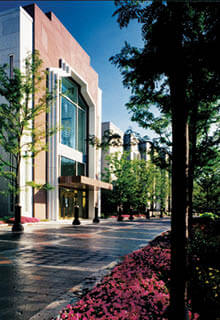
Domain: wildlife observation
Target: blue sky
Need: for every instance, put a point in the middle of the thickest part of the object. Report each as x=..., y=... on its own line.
x=92, y=25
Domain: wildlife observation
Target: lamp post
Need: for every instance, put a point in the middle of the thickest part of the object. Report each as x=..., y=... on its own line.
x=17, y=226
x=96, y=219
x=120, y=218
x=147, y=212
x=131, y=218
x=76, y=221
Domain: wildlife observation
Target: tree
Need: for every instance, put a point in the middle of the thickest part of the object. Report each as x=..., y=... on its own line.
x=206, y=196
x=20, y=138
x=120, y=174
x=137, y=184
x=180, y=45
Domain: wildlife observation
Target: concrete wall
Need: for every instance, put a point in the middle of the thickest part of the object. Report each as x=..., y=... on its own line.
x=16, y=39
x=26, y=48
x=9, y=45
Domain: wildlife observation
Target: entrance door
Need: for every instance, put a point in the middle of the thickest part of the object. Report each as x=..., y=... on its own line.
x=69, y=198
x=67, y=202
x=83, y=201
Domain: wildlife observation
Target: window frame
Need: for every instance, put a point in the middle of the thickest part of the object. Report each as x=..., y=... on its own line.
x=84, y=108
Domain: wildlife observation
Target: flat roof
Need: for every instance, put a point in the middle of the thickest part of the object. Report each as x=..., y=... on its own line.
x=82, y=182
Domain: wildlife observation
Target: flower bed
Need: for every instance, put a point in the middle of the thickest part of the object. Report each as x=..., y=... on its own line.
x=25, y=220
x=135, y=290
x=127, y=216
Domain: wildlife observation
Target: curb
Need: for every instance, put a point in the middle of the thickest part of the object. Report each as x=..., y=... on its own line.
x=74, y=294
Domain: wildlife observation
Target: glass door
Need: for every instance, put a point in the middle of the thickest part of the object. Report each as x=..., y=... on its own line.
x=67, y=202
x=69, y=198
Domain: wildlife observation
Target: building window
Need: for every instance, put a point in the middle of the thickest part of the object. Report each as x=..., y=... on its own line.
x=70, y=90
x=71, y=167
x=73, y=116
x=68, y=167
x=81, y=130
x=68, y=123
x=11, y=65
x=80, y=169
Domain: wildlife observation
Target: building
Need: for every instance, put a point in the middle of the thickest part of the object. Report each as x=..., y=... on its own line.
x=136, y=147
x=71, y=165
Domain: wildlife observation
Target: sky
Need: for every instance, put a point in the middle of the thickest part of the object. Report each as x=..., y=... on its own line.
x=92, y=25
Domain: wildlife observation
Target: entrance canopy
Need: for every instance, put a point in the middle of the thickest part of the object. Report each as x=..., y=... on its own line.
x=81, y=182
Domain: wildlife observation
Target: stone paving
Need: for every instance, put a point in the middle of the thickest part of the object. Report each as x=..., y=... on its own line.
x=40, y=265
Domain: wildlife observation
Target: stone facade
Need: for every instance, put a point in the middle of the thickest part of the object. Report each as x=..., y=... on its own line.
x=63, y=57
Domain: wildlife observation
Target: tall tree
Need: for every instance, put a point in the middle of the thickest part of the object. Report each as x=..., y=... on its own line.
x=180, y=40
x=138, y=184
x=19, y=137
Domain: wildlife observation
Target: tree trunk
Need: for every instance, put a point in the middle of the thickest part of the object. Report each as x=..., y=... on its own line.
x=188, y=191
x=192, y=152
x=177, y=81
x=17, y=226
x=179, y=199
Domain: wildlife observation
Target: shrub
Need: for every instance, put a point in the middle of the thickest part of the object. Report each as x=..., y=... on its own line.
x=209, y=215
x=205, y=286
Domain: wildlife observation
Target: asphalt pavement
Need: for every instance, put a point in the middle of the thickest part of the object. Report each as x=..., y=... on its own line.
x=40, y=265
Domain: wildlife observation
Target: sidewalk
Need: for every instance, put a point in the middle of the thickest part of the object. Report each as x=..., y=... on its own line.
x=46, y=264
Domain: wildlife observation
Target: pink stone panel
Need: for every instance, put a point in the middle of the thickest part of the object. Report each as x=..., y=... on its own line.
x=54, y=42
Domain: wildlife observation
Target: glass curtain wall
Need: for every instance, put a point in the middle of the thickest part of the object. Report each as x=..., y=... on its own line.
x=68, y=123
x=71, y=168
x=73, y=134
x=73, y=117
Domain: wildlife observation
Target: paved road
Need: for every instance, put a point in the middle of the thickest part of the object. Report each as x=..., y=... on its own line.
x=40, y=265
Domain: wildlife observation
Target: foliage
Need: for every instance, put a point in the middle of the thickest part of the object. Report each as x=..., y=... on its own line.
x=152, y=89
x=137, y=184
x=120, y=173
x=206, y=281
x=204, y=270
x=109, y=138
x=142, y=279
x=177, y=71
x=207, y=186
x=209, y=215
x=22, y=135
x=204, y=247
x=136, y=289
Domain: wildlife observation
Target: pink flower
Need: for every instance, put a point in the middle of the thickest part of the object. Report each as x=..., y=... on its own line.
x=134, y=290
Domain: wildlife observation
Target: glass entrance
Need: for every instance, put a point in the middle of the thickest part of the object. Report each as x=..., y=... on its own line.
x=69, y=198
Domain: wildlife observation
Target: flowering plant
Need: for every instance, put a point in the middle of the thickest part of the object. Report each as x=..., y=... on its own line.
x=26, y=219
x=135, y=290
